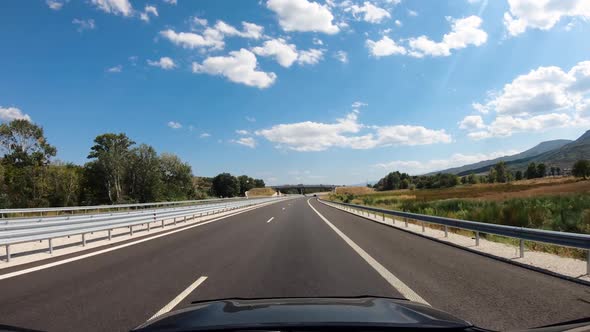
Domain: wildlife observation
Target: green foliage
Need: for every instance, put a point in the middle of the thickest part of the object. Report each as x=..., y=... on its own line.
x=518, y=175
x=225, y=185
x=177, y=178
x=396, y=180
x=143, y=177
x=581, y=169
x=24, y=144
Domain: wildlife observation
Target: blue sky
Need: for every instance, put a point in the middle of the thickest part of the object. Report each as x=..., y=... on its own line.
x=297, y=91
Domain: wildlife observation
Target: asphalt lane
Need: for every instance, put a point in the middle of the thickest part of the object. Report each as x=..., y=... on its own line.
x=485, y=291
x=242, y=256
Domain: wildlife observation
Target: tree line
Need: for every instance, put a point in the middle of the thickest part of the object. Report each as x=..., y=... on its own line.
x=498, y=173
x=118, y=171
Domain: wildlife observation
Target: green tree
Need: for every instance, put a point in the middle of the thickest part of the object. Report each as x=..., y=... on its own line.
x=541, y=170
x=143, y=179
x=63, y=184
x=493, y=175
x=177, y=178
x=259, y=183
x=225, y=185
x=552, y=171
x=558, y=171
x=24, y=144
x=472, y=179
x=581, y=169
x=111, y=152
x=531, y=171
x=518, y=175
x=501, y=173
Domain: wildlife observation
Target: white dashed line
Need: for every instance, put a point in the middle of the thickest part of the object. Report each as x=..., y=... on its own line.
x=269, y=220
x=406, y=291
x=180, y=297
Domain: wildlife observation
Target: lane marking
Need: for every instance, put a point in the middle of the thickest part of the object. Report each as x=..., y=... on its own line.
x=269, y=220
x=394, y=281
x=98, y=252
x=180, y=297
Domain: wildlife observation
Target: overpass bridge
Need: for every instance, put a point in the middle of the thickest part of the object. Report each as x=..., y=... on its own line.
x=302, y=187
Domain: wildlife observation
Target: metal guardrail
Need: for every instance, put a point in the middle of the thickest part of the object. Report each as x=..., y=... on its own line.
x=4, y=212
x=22, y=230
x=564, y=239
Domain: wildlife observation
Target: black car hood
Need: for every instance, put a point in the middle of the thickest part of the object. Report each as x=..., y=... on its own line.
x=287, y=313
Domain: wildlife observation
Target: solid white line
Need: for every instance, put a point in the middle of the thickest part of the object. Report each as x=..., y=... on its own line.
x=406, y=291
x=180, y=297
x=269, y=220
x=73, y=259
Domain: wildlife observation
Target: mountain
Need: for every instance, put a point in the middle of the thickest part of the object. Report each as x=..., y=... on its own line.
x=483, y=166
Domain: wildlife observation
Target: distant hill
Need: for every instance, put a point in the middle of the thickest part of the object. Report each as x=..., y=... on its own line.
x=483, y=166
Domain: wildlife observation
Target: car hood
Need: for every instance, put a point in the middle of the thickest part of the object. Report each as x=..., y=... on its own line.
x=279, y=313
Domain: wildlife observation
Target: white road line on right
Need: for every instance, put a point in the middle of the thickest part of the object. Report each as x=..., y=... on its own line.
x=394, y=281
x=269, y=220
x=180, y=297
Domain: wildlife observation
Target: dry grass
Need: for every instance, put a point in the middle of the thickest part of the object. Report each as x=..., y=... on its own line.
x=261, y=192
x=492, y=191
x=354, y=190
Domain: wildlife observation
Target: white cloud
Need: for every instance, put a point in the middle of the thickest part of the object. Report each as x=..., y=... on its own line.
x=212, y=37
x=242, y=132
x=12, y=113
x=464, y=32
x=346, y=133
x=358, y=104
x=384, y=47
x=117, y=7
x=546, y=97
x=341, y=56
x=317, y=41
x=84, y=24
x=398, y=23
x=205, y=135
x=246, y=141
x=471, y=122
x=250, y=119
x=192, y=40
x=303, y=15
x=412, y=13
x=55, y=4
x=286, y=54
x=115, y=69
x=370, y=13
x=145, y=16
x=240, y=67
x=170, y=2
x=174, y=125
x=310, y=57
x=414, y=167
x=542, y=14
x=164, y=63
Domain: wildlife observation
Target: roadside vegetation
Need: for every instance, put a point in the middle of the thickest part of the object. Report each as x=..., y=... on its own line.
x=556, y=203
x=118, y=171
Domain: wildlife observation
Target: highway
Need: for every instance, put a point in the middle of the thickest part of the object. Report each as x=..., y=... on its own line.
x=298, y=247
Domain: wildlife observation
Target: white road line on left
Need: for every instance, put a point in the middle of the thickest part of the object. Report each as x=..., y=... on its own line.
x=180, y=297
x=269, y=220
x=394, y=281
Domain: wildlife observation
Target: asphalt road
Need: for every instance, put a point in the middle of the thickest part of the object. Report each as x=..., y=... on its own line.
x=295, y=254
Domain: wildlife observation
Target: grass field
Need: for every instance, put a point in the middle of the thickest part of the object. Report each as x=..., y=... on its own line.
x=559, y=204
x=261, y=192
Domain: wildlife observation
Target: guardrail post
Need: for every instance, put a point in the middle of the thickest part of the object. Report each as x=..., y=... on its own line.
x=383, y=216
x=406, y=222
x=7, y=253
x=83, y=239
x=110, y=234
x=521, y=248
x=148, y=224
x=184, y=219
x=446, y=231
x=423, y=229
x=477, y=239
x=50, y=247
x=588, y=262
x=131, y=230
x=174, y=221
x=162, y=223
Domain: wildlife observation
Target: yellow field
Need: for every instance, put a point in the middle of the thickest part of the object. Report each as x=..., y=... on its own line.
x=354, y=190
x=261, y=192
